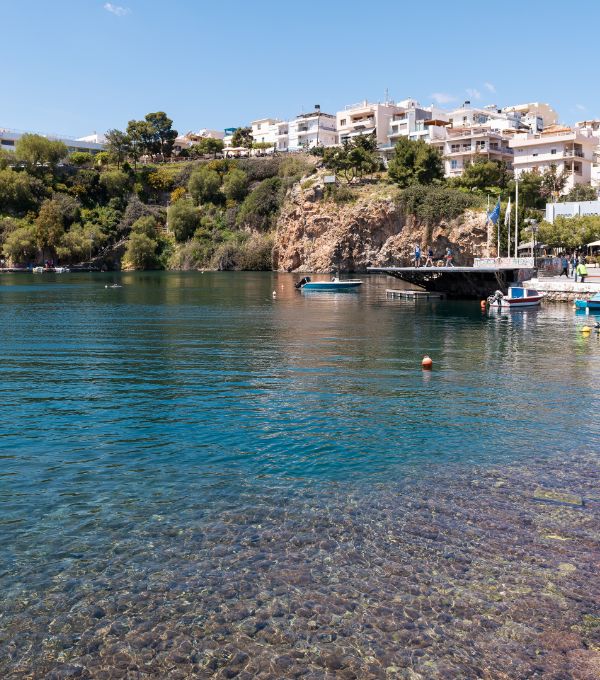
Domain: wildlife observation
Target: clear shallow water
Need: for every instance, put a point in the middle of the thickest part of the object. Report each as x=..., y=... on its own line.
x=188, y=456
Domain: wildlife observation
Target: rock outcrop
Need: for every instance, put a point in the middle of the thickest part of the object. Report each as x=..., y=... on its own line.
x=318, y=235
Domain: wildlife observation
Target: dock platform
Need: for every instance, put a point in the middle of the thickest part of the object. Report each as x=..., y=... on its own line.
x=413, y=294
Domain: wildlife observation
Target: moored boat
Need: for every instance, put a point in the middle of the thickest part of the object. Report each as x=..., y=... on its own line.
x=333, y=285
x=592, y=303
x=516, y=298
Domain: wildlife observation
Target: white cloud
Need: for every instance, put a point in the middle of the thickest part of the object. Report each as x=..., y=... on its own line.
x=580, y=107
x=116, y=9
x=442, y=98
x=474, y=94
x=490, y=87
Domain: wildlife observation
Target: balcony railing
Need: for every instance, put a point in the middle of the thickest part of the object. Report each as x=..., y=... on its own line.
x=573, y=152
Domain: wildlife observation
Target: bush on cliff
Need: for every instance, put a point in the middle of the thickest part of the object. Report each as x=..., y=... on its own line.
x=259, y=209
x=431, y=204
x=184, y=219
x=415, y=162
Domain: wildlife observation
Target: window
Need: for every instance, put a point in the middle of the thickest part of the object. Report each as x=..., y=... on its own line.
x=553, y=152
x=8, y=142
x=455, y=148
x=258, y=127
x=535, y=153
x=453, y=164
x=342, y=122
x=577, y=168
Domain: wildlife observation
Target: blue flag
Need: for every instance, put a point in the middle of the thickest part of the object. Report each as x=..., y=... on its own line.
x=495, y=214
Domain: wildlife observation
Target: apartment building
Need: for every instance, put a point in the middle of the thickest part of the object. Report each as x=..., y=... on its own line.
x=283, y=135
x=190, y=138
x=415, y=122
x=312, y=129
x=570, y=150
x=91, y=144
x=593, y=127
x=535, y=115
x=264, y=131
x=465, y=145
x=366, y=118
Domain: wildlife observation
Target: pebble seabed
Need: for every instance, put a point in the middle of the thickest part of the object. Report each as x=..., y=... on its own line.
x=456, y=572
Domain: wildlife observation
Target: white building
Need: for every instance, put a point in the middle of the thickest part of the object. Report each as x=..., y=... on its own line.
x=536, y=115
x=91, y=144
x=264, y=131
x=309, y=130
x=415, y=122
x=283, y=135
x=190, y=138
x=469, y=144
x=570, y=150
x=366, y=118
x=593, y=127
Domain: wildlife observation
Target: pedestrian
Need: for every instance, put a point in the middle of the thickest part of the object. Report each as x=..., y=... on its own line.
x=565, y=265
x=417, y=255
x=582, y=269
x=429, y=260
x=449, y=257
x=574, y=264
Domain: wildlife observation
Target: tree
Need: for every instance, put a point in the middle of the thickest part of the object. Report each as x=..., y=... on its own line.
x=235, y=185
x=49, y=227
x=242, y=137
x=207, y=145
x=163, y=134
x=37, y=152
x=580, y=192
x=141, y=139
x=183, y=219
x=261, y=205
x=483, y=174
x=553, y=182
x=141, y=251
x=118, y=146
x=74, y=244
x=146, y=225
x=570, y=232
x=116, y=183
x=205, y=186
x=20, y=244
x=530, y=184
x=415, y=162
x=354, y=158
x=19, y=192
x=81, y=158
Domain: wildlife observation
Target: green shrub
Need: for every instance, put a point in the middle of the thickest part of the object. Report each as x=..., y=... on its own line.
x=205, y=186
x=259, y=209
x=296, y=167
x=141, y=252
x=431, y=204
x=184, y=219
x=81, y=158
x=256, y=253
x=259, y=169
x=235, y=185
x=340, y=193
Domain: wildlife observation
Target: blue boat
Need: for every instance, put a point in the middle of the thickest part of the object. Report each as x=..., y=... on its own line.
x=334, y=285
x=592, y=303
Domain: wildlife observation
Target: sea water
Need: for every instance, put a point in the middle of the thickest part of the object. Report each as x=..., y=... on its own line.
x=216, y=475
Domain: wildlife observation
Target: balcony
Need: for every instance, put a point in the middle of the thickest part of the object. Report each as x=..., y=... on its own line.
x=569, y=153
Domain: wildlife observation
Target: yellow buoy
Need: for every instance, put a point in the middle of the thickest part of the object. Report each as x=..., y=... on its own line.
x=586, y=329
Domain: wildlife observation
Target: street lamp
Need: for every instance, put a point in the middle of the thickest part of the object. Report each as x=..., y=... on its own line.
x=534, y=226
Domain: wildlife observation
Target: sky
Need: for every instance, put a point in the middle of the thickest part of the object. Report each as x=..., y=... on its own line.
x=73, y=67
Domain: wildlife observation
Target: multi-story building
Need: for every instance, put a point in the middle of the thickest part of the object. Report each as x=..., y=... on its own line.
x=535, y=115
x=92, y=143
x=465, y=145
x=190, y=138
x=415, y=122
x=365, y=119
x=593, y=128
x=570, y=150
x=312, y=129
x=264, y=131
x=283, y=135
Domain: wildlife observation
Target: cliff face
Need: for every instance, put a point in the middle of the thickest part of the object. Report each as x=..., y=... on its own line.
x=317, y=235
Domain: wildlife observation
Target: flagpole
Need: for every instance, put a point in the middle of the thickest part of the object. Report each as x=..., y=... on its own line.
x=498, y=225
x=516, y=217
x=487, y=221
x=508, y=235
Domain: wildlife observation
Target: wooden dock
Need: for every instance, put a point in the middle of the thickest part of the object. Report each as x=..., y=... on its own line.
x=413, y=294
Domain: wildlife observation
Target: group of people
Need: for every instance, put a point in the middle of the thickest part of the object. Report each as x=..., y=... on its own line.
x=574, y=265
x=448, y=257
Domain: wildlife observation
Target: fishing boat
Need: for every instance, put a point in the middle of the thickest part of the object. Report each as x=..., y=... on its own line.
x=335, y=284
x=517, y=297
x=592, y=303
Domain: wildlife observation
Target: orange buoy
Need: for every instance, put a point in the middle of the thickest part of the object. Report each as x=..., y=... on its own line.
x=483, y=304
x=427, y=363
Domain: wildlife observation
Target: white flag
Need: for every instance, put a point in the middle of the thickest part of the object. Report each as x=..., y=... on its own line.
x=507, y=213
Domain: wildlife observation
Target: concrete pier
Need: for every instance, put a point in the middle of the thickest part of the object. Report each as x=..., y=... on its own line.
x=564, y=290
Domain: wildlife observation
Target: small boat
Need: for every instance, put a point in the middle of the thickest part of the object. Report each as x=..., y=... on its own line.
x=38, y=270
x=334, y=284
x=592, y=303
x=60, y=270
x=517, y=297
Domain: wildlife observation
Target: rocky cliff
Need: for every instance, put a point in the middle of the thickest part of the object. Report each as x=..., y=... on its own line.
x=316, y=234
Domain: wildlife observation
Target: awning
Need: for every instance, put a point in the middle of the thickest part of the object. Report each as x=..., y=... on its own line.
x=528, y=245
x=593, y=243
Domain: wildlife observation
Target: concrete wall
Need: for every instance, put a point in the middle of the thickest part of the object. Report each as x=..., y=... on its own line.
x=571, y=209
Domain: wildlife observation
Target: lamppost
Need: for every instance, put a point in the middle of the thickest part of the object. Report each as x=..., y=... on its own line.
x=534, y=230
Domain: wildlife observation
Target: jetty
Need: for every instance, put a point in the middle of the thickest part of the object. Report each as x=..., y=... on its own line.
x=485, y=276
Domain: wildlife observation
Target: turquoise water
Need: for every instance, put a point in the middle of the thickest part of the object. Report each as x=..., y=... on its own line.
x=151, y=434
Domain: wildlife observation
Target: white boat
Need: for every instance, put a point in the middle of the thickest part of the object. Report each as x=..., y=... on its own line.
x=38, y=270
x=516, y=298
x=61, y=270
x=334, y=284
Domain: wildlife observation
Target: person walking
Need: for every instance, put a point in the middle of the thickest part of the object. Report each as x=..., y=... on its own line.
x=565, y=265
x=429, y=260
x=417, y=255
x=574, y=263
x=449, y=257
x=582, y=269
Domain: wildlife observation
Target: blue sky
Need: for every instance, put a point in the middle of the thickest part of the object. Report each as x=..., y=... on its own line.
x=75, y=66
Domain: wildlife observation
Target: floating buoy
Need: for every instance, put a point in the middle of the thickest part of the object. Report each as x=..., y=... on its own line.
x=274, y=293
x=586, y=329
x=483, y=304
x=427, y=363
